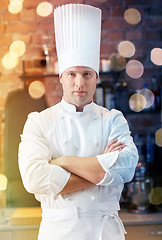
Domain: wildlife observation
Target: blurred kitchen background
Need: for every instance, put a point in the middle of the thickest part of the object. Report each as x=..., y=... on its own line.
x=130, y=80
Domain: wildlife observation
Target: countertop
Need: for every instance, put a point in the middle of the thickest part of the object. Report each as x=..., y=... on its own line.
x=127, y=218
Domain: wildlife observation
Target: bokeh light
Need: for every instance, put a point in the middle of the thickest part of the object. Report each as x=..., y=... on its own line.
x=132, y=16
x=156, y=56
x=126, y=49
x=3, y=70
x=3, y=182
x=36, y=89
x=155, y=196
x=15, y=6
x=117, y=62
x=17, y=48
x=134, y=69
x=149, y=96
x=158, y=137
x=137, y=102
x=9, y=61
x=44, y=9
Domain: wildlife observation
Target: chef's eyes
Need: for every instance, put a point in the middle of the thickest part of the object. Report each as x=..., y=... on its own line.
x=85, y=74
x=71, y=74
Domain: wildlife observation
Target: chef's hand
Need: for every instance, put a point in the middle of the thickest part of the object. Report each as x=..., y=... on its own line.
x=55, y=161
x=114, y=145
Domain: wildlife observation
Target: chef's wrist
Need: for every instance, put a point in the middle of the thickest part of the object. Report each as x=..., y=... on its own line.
x=57, y=161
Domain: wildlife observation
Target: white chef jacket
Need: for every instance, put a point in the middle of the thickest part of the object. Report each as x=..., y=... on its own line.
x=61, y=131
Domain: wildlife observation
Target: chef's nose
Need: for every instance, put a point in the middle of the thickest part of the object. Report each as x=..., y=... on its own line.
x=79, y=82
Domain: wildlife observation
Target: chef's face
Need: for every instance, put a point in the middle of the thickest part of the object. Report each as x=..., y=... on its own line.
x=79, y=85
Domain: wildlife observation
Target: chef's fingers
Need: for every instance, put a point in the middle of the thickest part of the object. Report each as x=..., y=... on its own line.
x=118, y=148
x=114, y=146
x=110, y=144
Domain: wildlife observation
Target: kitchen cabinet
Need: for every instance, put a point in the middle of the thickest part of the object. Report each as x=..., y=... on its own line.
x=138, y=226
x=144, y=232
x=25, y=235
x=5, y=235
x=19, y=235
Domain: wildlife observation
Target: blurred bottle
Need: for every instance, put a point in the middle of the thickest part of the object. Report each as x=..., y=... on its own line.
x=121, y=97
x=156, y=91
x=99, y=95
x=124, y=98
x=109, y=98
x=140, y=172
x=117, y=95
x=140, y=144
x=150, y=148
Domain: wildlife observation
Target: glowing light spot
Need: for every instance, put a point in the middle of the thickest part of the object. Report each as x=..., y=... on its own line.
x=44, y=9
x=15, y=6
x=132, y=16
x=137, y=102
x=134, y=69
x=158, y=137
x=156, y=56
x=3, y=182
x=9, y=61
x=117, y=62
x=17, y=48
x=155, y=196
x=126, y=49
x=149, y=96
x=105, y=65
x=36, y=89
x=5, y=71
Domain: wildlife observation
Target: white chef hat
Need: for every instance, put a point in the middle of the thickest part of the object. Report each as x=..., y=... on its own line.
x=77, y=35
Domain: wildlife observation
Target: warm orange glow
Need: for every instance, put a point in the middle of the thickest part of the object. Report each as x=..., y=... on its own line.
x=156, y=56
x=117, y=62
x=16, y=0
x=3, y=182
x=149, y=96
x=132, y=16
x=5, y=71
x=15, y=6
x=137, y=102
x=36, y=89
x=9, y=61
x=134, y=69
x=158, y=137
x=139, y=164
x=126, y=49
x=17, y=48
x=44, y=9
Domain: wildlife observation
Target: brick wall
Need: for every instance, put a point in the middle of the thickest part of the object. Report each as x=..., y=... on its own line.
x=29, y=27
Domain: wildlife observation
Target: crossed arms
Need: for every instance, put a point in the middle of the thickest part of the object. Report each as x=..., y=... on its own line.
x=43, y=175
x=85, y=171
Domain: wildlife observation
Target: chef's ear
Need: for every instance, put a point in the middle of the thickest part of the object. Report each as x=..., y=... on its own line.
x=97, y=77
x=61, y=79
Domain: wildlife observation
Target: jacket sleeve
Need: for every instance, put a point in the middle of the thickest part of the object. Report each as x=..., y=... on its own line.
x=119, y=166
x=38, y=176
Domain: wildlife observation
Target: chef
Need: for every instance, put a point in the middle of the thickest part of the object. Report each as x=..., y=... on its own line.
x=76, y=156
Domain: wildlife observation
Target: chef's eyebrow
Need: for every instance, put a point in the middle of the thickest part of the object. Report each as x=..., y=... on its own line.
x=70, y=71
x=84, y=71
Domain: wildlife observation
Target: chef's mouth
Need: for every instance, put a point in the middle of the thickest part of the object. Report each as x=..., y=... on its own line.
x=79, y=92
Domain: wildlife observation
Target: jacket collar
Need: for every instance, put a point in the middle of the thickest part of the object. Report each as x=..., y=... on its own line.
x=71, y=108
